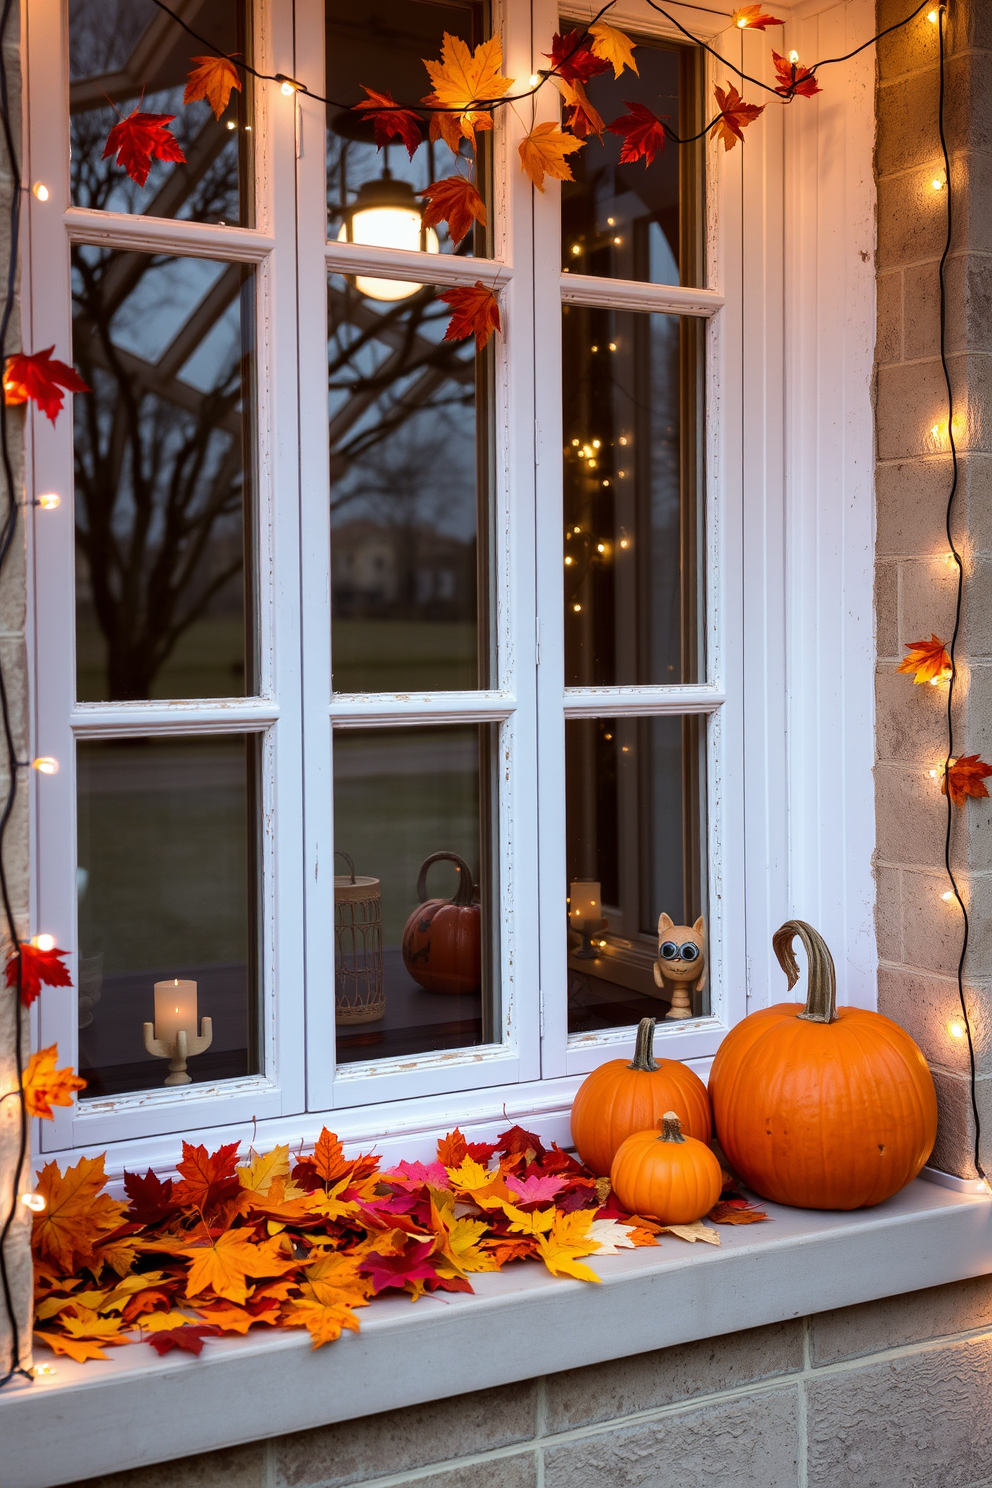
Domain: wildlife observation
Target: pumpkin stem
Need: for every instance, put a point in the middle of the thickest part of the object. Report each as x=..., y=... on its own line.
x=643, y=1050
x=465, y=893
x=821, y=999
x=671, y=1128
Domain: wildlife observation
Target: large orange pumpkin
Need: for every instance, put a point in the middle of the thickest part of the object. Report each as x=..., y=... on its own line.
x=618, y=1099
x=442, y=939
x=818, y=1106
x=667, y=1177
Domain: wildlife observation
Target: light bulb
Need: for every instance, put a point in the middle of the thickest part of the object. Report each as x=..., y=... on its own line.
x=289, y=85
x=610, y=221
x=535, y=78
x=742, y=24
x=33, y=1201
x=576, y=249
x=606, y=483
x=947, y=895
x=613, y=346
x=956, y=1028
x=937, y=184
x=40, y=190
x=44, y=1371
x=594, y=348
x=600, y=547
x=617, y=241
x=934, y=774
x=49, y=501
x=597, y=443
x=388, y=227
x=231, y=124
x=793, y=58
x=592, y=464
x=623, y=439
x=623, y=542
x=575, y=444
x=576, y=608
x=932, y=17
x=45, y=765
x=43, y=942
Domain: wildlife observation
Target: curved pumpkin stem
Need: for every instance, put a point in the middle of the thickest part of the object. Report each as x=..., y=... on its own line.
x=821, y=999
x=643, y=1050
x=464, y=894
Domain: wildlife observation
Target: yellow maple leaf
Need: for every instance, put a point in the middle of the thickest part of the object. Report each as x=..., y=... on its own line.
x=536, y=1222
x=224, y=1263
x=613, y=46
x=79, y=1349
x=76, y=1213
x=329, y=1205
x=569, y=1239
x=459, y=1248
x=213, y=80
x=462, y=79
x=323, y=1321
x=334, y=1278
x=543, y=151
x=163, y=1322
x=693, y=1232
x=45, y=1086
x=259, y=1174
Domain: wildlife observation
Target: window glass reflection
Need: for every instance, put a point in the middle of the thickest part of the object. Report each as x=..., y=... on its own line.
x=162, y=473
x=631, y=541
x=129, y=54
x=634, y=852
x=409, y=433
x=413, y=814
x=167, y=890
x=634, y=221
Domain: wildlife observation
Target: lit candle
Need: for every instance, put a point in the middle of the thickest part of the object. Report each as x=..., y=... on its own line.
x=175, y=1008
x=585, y=902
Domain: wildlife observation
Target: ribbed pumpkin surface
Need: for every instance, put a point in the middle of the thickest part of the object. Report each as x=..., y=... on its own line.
x=672, y=1182
x=615, y=1101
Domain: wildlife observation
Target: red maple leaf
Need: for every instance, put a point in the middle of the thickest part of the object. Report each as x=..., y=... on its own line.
x=39, y=375
x=151, y=1197
x=389, y=121
x=573, y=58
x=965, y=776
x=190, y=1337
x=474, y=311
x=207, y=1178
x=735, y=115
x=139, y=139
x=516, y=1141
x=753, y=18
x=411, y=1264
x=455, y=201
x=794, y=79
x=644, y=133
x=38, y=969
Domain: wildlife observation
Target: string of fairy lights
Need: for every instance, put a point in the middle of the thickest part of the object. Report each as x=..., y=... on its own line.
x=794, y=80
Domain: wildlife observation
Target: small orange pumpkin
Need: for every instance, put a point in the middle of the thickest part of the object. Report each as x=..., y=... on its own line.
x=818, y=1106
x=618, y=1099
x=442, y=939
x=667, y=1177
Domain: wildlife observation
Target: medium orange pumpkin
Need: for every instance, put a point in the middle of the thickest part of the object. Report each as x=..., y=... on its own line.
x=618, y=1099
x=667, y=1177
x=442, y=939
x=818, y=1106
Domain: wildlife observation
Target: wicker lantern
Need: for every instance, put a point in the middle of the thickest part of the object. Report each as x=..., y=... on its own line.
x=359, y=993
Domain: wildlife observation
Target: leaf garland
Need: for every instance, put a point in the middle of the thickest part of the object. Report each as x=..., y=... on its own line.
x=41, y=377
x=927, y=659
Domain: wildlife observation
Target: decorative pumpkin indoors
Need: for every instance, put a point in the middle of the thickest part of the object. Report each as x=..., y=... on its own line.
x=819, y=1106
x=666, y=1176
x=618, y=1099
x=442, y=939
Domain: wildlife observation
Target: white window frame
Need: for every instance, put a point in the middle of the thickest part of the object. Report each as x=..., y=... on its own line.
x=767, y=691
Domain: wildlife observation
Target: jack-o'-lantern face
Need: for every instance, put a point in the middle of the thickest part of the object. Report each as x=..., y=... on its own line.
x=681, y=949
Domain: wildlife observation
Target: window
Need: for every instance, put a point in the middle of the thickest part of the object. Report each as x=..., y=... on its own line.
x=385, y=674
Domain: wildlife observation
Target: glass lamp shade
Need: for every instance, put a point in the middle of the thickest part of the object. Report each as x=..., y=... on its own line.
x=387, y=215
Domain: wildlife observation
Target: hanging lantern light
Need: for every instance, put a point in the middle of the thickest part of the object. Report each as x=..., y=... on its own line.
x=387, y=214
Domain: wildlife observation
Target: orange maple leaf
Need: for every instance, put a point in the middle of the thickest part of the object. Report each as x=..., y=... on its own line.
x=463, y=80
x=753, y=18
x=736, y=1212
x=452, y=1150
x=455, y=201
x=323, y=1320
x=965, y=776
x=474, y=311
x=388, y=120
x=543, y=151
x=40, y=376
x=207, y=1178
x=139, y=139
x=928, y=659
x=45, y=1086
x=76, y=1214
x=581, y=116
x=213, y=80
x=793, y=79
x=735, y=115
x=223, y=1264
x=328, y=1157
x=82, y=1336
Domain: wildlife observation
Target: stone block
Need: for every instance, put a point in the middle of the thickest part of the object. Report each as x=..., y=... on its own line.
x=931, y=929
x=747, y=1443
x=911, y=496
x=580, y=1397
x=888, y=913
x=911, y=224
x=518, y=1471
x=954, y=1148
x=907, y=123
x=887, y=609
x=910, y=400
x=927, y=598
x=922, y=1419
x=894, y=1322
x=888, y=338
x=912, y=48
x=971, y=180
x=925, y=1003
x=966, y=113
x=968, y=288
x=910, y=716
x=401, y=1440
x=910, y=816
x=233, y=1467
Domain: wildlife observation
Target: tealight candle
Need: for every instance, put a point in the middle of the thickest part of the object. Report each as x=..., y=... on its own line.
x=175, y=1008
x=585, y=898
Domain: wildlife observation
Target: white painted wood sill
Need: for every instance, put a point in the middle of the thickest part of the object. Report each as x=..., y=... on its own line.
x=137, y=1408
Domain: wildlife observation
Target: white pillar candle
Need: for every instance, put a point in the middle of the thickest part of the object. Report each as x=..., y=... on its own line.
x=175, y=1008
x=585, y=902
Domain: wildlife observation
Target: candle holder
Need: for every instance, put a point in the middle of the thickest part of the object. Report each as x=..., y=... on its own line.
x=587, y=929
x=178, y=1053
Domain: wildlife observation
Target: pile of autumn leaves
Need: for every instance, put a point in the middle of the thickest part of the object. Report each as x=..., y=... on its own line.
x=304, y=1243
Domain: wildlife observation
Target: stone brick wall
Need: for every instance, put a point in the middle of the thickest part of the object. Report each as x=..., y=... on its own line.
x=891, y=1392
x=918, y=933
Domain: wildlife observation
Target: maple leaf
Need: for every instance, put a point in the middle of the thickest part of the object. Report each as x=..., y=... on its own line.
x=327, y=1164
x=213, y=80
x=543, y=151
x=323, y=1320
x=388, y=121
x=40, y=376
x=452, y=1149
x=264, y=1169
x=330, y=1205
x=536, y=1189
x=208, y=1179
x=573, y=59
x=227, y=1317
x=189, y=1337
x=474, y=311
x=613, y=46
x=581, y=116
x=141, y=138
x=529, y=1222
x=151, y=1197
x=462, y=80
x=76, y=1212
x=643, y=131
x=455, y=201
x=735, y=115
x=736, y=1212
x=163, y=1322
x=611, y=1236
x=794, y=79
x=753, y=18
x=928, y=659
x=38, y=968
x=965, y=777
x=223, y=1264
x=414, y=1174
x=568, y=1240
x=79, y=1349
x=693, y=1232
x=409, y=1265
x=45, y=1086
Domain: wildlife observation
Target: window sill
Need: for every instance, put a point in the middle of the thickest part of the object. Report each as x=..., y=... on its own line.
x=96, y=1418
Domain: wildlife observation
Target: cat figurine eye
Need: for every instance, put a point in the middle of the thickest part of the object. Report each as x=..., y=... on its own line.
x=669, y=951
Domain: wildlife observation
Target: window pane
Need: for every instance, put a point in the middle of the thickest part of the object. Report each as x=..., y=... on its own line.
x=634, y=221
x=410, y=476
x=412, y=972
x=128, y=54
x=384, y=43
x=634, y=850
x=167, y=884
x=163, y=463
x=631, y=541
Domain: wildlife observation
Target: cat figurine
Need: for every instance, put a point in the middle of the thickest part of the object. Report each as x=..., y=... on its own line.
x=680, y=967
